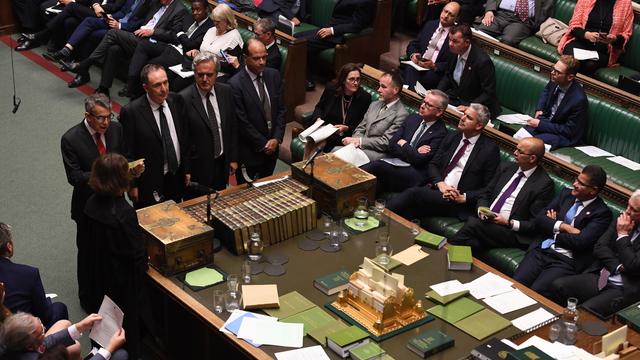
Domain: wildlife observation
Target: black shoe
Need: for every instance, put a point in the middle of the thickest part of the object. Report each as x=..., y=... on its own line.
x=25, y=36
x=27, y=45
x=79, y=80
x=70, y=66
x=310, y=86
x=102, y=90
x=124, y=92
x=62, y=55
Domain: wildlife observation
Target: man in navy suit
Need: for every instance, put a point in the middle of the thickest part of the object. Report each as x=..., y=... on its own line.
x=571, y=224
x=430, y=50
x=613, y=281
x=23, y=286
x=293, y=10
x=260, y=110
x=415, y=143
x=518, y=191
x=561, y=116
x=458, y=174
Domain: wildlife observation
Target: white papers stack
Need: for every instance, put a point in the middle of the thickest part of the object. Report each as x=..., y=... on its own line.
x=317, y=132
x=352, y=155
x=178, y=70
x=237, y=317
x=454, y=109
x=625, y=162
x=111, y=322
x=509, y=301
x=517, y=119
x=265, y=331
x=556, y=350
x=420, y=89
x=396, y=162
x=308, y=353
x=415, y=66
x=483, y=34
x=488, y=285
x=522, y=134
x=593, y=151
x=532, y=319
x=448, y=287
x=582, y=54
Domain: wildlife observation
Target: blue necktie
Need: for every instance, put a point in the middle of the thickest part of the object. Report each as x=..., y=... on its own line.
x=132, y=11
x=568, y=219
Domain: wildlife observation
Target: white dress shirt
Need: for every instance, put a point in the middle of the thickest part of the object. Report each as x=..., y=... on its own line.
x=214, y=102
x=453, y=178
x=93, y=135
x=170, y=123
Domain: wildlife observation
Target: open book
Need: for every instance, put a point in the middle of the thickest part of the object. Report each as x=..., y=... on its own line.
x=317, y=132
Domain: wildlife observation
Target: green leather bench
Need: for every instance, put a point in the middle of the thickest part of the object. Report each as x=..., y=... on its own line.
x=563, y=11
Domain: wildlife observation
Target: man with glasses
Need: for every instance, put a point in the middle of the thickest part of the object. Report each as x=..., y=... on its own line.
x=265, y=31
x=569, y=227
x=81, y=145
x=613, y=281
x=561, y=116
x=412, y=147
x=517, y=192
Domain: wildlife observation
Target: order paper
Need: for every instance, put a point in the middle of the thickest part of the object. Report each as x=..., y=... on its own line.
x=510, y=301
x=308, y=353
x=517, y=119
x=410, y=255
x=352, y=155
x=522, y=134
x=448, y=287
x=267, y=332
x=582, y=54
x=415, y=66
x=625, y=162
x=594, y=151
x=111, y=322
x=487, y=285
x=240, y=313
x=178, y=70
x=532, y=319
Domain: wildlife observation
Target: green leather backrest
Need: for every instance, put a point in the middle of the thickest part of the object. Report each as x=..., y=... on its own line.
x=246, y=34
x=563, y=10
x=321, y=11
x=517, y=88
x=631, y=57
x=614, y=129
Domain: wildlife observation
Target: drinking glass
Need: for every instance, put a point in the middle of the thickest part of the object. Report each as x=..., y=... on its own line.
x=362, y=212
x=383, y=248
x=233, y=280
x=380, y=204
x=415, y=227
x=232, y=300
x=327, y=224
x=218, y=301
x=246, y=272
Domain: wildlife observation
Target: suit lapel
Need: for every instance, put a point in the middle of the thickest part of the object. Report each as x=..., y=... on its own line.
x=585, y=213
x=531, y=183
x=196, y=102
x=248, y=84
x=167, y=14
x=147, y=114
x=472, y=156
x=89, y=142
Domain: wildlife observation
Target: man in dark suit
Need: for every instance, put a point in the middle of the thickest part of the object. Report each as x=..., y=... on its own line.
x=612, y=282
x=293, y=10
x=561, y=116
x=212, y=125
x=159, y=52
x=516, y=194
x=155, y=129
x=571, y=224
x=513, y=20
x=164, y=18
x=265, y=31
x=430, y=50
x=470, y=76
x=458, y=174
x=23, y=286
x=81, y=146
x=260, y=110
x=348, y=16
x=415, y=143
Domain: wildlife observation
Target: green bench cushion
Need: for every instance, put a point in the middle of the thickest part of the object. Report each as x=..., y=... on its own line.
x=612, y=74
x=506, y=260
x=517, y=88
x=535, y=46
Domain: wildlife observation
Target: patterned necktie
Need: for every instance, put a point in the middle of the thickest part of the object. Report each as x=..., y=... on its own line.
x=214, y=125
x=571, y=214
x=101, y=148
x=509, y=190
x=265, y=102
x=457, y=157
x=169, y=150
x=522, y=9
x=433, y=44
x=418, y=134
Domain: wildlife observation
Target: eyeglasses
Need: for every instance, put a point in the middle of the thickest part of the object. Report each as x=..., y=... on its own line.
x=353, y=80
x=556, y=71
x=429, y=106
x=577, y=180
x=103, y=118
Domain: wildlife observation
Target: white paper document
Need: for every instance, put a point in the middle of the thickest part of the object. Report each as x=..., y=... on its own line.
x=532, y=319
x=594, y=151
x=582, y=54
x=557, y=350
x=352, y=155
x=487, y=285
x=625, y=162
x=415, y=66
x=454, y=109
x=239, y=313
x=522, y=134
x=510, y=301
x=178, y=70
x=517, y=119
x=396, y=162
x=483, y=34
x=317, y=132
x=267, y=332
x=308, y=353
x=410, y=255
x=448, y=287
x=111, y=322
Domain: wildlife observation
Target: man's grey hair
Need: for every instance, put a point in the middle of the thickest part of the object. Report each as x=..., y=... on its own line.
x=97, y=99
x=18, y=332
x=205, y=56
x=5, y=237
x=636, y=194
x=483, y=113
x=266, y=25
x=444, y=98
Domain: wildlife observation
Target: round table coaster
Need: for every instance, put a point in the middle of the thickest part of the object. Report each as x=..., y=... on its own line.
x=256, y=268
x=276, y=258
x=274, y=270
x=326, y=248
x=308, y=245
x=316, y=235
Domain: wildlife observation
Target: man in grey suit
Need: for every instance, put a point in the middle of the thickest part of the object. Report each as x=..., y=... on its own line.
x=513, y=20
x=382, y=119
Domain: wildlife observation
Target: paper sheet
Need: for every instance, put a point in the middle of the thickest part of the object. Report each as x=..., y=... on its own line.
x=239, y=313
x=522, y=134
x=420, y=89
x=487, y=285
x=594, y=151
x=352, y=155
x=178, y=70
x=510, y=301
x=454, y=109
x=415, y=66
x=317, y=132
x=396, y=162
x=625, y=162
x=308, y=353
x=448, y=287
x=268, y=332
x=234, y=326
x=483, y=34
x=111, y=322
x=582, y=54
x=410, y=255
x=532, y=319
x=518, y=119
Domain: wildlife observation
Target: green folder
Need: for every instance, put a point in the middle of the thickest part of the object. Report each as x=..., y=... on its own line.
x=482, y=324
x=456, y=310
x=290, y=304
x=431, y=240
x=348, y=336
x=312, y=318
x=435, y=297
x=320, y=333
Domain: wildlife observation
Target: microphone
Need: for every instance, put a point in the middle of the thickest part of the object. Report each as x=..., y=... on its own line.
x=312, y=157
x=200, y=188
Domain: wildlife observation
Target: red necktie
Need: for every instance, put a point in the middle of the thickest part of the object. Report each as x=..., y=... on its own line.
x=457, y=157
x=522, y=9
x=101, y=148
x=257, y=3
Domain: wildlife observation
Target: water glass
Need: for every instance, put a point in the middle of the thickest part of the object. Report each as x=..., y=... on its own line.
x=380, y=204
x=232, y=300
x=415, y=227
x=218, y=301
x=384, y=252
x=554, y=332
x=327, y=224
x=246, y=272
x=334, y=239
x=570, y=331
x=233, y=280
x=362, y=212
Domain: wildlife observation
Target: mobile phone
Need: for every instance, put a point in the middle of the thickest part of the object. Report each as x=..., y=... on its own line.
x=224, y=55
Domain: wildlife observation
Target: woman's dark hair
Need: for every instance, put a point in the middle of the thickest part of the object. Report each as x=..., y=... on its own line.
x=110, y=175
x=338, y=82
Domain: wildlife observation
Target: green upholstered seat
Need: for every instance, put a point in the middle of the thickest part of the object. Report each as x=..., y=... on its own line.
x=563, y=11
x=517, y=88
x=629, y=61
